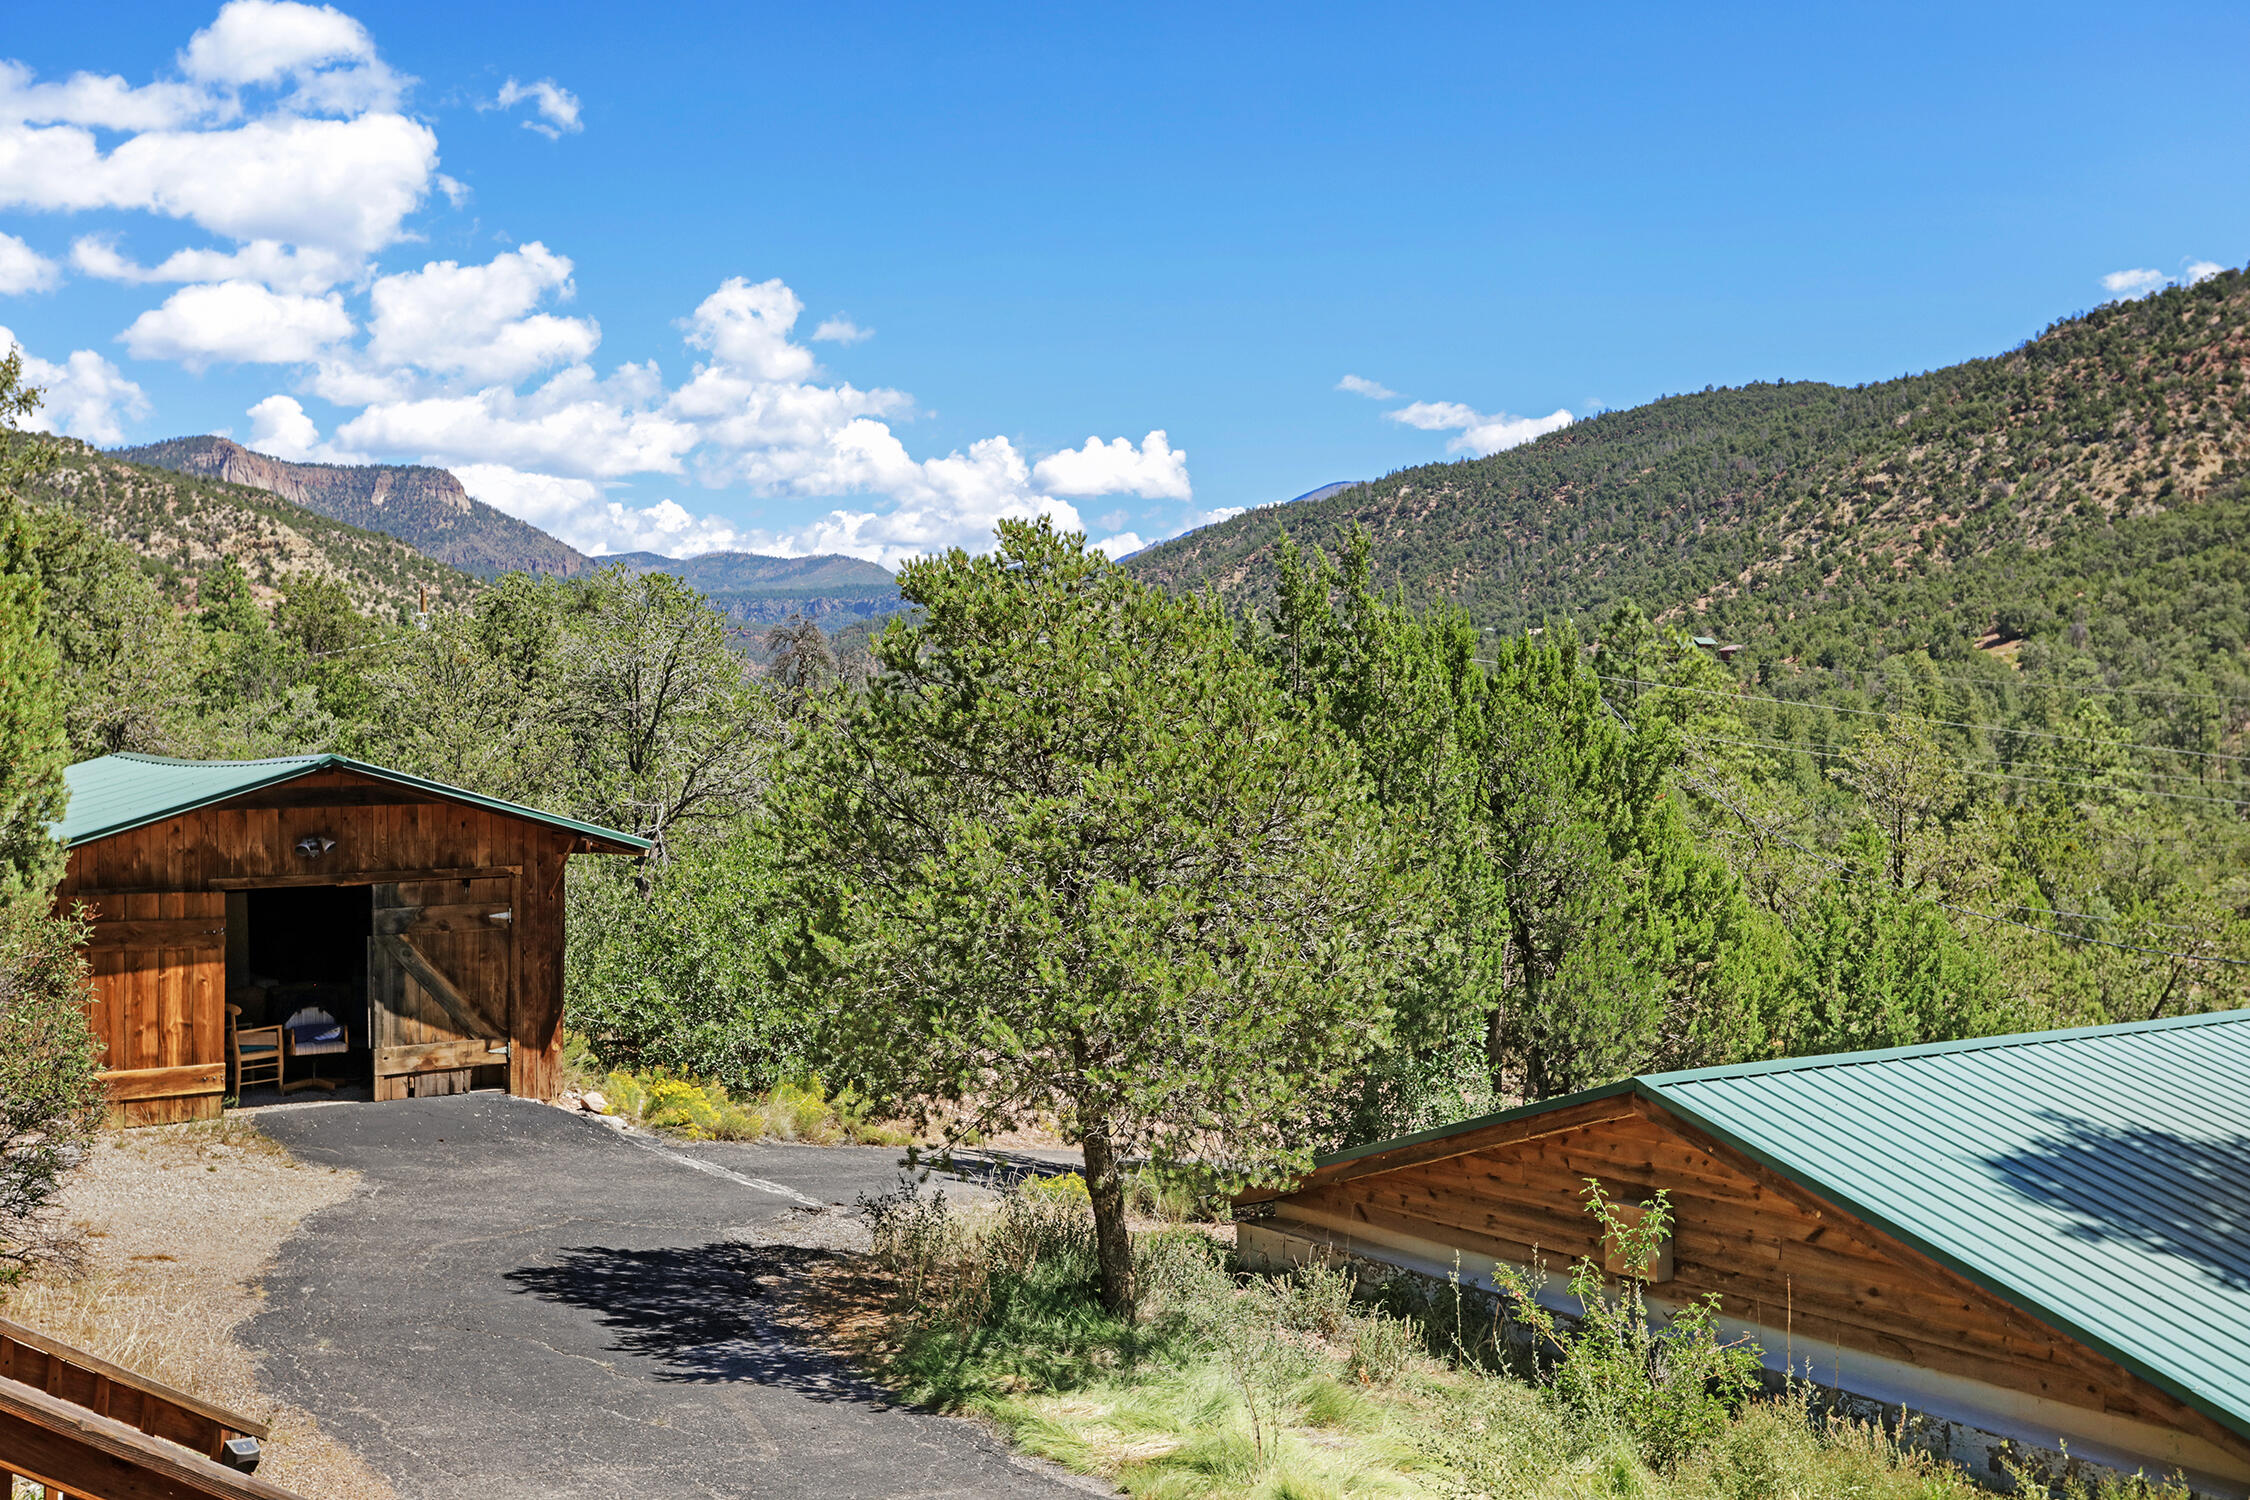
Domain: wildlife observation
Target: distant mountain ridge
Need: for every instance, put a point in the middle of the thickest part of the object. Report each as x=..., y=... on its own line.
x=424, y=507
x=754, y=589
x=428, y=510
x=724, y=572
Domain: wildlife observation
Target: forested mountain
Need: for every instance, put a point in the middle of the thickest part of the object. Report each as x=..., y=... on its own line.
x=424, y=507
x=181, y=526
x=750, y=588
x=2037, y=496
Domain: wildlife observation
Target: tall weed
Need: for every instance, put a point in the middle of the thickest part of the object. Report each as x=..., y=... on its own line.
x=1669, y=1387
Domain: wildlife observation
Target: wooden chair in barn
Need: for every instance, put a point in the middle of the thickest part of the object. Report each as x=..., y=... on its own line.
x=312, y=1032
x=256, y=1051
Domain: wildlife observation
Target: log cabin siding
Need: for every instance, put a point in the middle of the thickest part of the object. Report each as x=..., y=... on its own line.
x=1776, y=1254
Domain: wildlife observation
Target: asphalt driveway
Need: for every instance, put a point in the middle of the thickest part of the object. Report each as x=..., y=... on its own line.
x=520, y=1302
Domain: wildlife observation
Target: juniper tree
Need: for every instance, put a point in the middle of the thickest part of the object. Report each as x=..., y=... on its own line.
x=1069, y=853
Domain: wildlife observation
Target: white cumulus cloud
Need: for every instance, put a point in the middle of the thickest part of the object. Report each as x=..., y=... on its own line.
x=575, y=424
x=285, y=268
x=556, y=106
x=748, y=326
x=238, y=322
x=325, y=56
x=83, y=397
x=753, y=413
x=1475, y=432
x=284, y=126
x=23, y=269
x=841, y=330
x=90, y=99
x=1361, y=386
x=478, y=321
x=2141, y=280
x=1154, y=471
x=1120, y=546
x=281, y=135
x=279, y=425
x=579, y=511
x=342, y=185
x=2134, y=282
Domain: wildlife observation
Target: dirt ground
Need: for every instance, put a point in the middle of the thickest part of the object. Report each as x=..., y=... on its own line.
x=181, y=1222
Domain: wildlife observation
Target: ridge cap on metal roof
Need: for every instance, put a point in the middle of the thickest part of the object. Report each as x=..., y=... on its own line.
x=1877, y=1055
x=289, y=767
x=180, y=760
x=1653, y=1086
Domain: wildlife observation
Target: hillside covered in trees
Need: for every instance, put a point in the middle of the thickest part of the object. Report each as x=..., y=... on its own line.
x=1455, y=858
x=2036, y=498
x=180, y=527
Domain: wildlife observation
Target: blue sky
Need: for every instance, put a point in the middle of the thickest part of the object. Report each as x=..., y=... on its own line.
x=1107, y=263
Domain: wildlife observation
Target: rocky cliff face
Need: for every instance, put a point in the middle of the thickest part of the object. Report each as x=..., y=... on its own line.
x=181, y=523
x=425, y=508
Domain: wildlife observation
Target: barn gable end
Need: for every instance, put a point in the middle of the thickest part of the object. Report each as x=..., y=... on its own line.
x=1867, y=1304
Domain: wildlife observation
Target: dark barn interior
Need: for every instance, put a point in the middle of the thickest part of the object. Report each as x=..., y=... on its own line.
x=298, y=948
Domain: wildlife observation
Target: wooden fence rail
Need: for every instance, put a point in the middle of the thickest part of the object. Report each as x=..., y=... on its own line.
x=85, y=1429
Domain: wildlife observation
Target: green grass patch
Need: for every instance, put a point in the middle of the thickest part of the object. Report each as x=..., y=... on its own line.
x=1232, y=1385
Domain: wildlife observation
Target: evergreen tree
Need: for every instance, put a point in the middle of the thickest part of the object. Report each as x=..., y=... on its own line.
x=34, y=744
x=1070, y=853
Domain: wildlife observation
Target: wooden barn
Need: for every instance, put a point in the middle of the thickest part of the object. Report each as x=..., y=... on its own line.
x=2030, y=1242
x=319, y=919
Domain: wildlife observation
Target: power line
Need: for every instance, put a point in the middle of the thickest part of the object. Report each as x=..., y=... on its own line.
x=1964, y=768
x=1855, y=873
x=1971, y=766
x=2062, y=687
x=1884, y=713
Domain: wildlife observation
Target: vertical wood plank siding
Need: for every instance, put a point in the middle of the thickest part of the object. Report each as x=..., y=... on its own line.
x=162, y=891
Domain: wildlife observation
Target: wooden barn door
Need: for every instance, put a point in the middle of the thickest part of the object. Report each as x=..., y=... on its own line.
x=441, y=976
x=159, y=985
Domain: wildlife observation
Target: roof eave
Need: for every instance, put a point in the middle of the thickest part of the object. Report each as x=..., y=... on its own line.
x=1407, y=1143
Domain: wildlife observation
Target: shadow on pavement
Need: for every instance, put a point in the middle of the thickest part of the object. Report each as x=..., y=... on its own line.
x=998, y=1168
x=706, y=1313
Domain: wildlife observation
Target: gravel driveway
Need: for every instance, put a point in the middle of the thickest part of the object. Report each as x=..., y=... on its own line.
x=523, y=1302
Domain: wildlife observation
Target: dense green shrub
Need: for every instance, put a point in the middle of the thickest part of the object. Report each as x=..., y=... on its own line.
x=51, y=1098
x=681, y=976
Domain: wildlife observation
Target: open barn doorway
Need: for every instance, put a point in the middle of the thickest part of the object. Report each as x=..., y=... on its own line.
x=297, y=988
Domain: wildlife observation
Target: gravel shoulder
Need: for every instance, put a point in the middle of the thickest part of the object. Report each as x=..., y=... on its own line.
x=182, y=1223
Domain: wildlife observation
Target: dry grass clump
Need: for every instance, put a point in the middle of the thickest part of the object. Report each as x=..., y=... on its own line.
x=180, y=1222
x=799, y=1111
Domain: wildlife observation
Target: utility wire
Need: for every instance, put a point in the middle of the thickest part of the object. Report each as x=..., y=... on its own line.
x=1971, y=766
x=1855, y=873
x=2031, y=684
x=1884, y=713
x=1964, y=768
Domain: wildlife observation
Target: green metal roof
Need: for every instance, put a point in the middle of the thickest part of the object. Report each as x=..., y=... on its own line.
x=2097, y=1178
x=115, y=793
